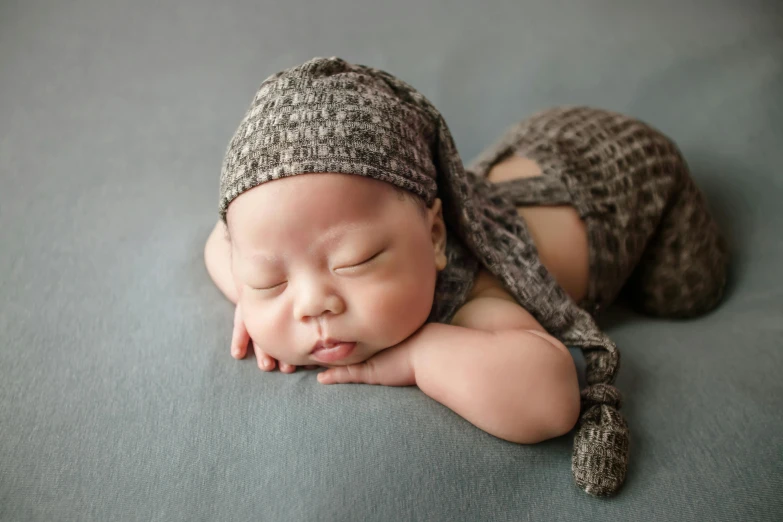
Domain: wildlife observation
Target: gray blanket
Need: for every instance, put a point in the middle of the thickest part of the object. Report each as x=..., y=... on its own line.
x=119, y=399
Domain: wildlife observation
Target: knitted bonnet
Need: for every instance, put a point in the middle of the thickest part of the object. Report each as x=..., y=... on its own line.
x=327, y=115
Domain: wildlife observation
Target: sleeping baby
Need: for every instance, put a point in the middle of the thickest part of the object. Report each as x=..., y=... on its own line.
x=352, y=237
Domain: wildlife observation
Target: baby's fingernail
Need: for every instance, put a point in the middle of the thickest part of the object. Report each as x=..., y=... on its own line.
x=267, y=363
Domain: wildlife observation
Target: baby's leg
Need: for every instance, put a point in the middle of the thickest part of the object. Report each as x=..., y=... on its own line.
x=683, y=269
x=682, y=272
x=649, y=230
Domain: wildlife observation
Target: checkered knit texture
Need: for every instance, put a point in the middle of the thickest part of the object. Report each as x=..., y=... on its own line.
x=650, y=233
x=650, y=230
x=328, y=115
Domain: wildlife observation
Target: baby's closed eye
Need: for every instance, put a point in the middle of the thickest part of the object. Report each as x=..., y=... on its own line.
x=356, y=265
x=348, y=267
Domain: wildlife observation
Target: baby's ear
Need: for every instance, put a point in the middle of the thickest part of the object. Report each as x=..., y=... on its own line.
x=438, y=233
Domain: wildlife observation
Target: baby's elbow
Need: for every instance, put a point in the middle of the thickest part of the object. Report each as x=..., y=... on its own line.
x=554, y=424
x=560, y=416
x=567, y=419
x=561, y=412
x=565, y=416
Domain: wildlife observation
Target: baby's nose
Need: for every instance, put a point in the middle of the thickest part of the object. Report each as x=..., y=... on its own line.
x=316, y=303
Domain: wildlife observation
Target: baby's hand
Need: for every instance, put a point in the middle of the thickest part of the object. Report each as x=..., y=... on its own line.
x=240, y=340
x=390, y=367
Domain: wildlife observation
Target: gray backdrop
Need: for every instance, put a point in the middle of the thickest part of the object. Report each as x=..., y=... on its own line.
x=118, y=397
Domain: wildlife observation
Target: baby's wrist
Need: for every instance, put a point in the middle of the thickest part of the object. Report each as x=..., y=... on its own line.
x=434, y=346
x=420, y=344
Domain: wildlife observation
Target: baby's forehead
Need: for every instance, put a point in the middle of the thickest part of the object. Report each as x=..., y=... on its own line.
x=316, y=197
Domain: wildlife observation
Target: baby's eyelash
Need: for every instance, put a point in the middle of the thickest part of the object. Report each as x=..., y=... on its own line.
x=362, y=262
x=267, y=288
x=369, y=258
x=270, y=287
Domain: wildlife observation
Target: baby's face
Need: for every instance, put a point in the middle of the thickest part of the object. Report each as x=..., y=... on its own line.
x=340, y=256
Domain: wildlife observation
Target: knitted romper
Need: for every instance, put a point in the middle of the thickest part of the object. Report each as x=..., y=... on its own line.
x=650, y=232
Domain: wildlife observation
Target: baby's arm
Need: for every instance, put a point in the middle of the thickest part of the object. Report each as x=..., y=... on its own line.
x=217, y=256
x=497, y=367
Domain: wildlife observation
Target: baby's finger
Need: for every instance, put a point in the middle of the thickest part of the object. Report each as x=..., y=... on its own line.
x=265, y=362
x=287, y=368
x=240, y=338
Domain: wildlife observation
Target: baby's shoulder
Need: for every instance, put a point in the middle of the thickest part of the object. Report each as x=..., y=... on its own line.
x=489, y=306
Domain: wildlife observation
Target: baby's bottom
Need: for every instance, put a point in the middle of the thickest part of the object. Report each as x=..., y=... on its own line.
x=650, y=232
x=579, y=360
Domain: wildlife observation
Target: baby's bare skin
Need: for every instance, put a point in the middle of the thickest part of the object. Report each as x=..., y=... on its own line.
x=557, y=231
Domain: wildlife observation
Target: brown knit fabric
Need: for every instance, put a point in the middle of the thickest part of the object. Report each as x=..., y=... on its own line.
x=627, y=181
x=649, y=231
x=649, y=226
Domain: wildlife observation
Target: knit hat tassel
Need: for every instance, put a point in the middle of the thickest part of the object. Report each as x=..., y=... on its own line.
x=600, y=457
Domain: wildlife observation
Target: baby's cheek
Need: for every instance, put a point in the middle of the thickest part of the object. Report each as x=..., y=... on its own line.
x=399, y=307
x=266, y=330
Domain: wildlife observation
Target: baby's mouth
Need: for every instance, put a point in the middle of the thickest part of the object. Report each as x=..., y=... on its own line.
x=329, y=352
x=326, y=344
